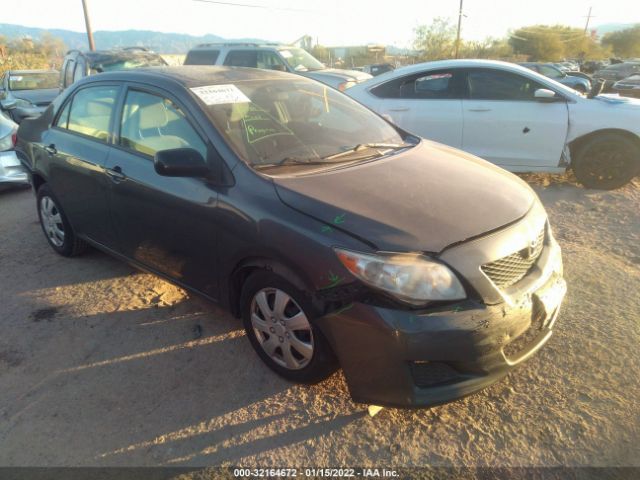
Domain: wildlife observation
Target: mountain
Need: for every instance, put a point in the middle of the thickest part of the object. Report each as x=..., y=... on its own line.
x=158, y=41
x=612, y=27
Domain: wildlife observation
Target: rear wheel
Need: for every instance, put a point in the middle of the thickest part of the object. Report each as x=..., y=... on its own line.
x=55, y=225
x=606, y=162
x=278, y=320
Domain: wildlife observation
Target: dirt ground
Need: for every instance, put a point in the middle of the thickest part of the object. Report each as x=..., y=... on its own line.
x=103, y=365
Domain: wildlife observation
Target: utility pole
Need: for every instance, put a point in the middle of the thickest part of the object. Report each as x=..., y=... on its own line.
x=589, y=16
x=458, y=34
x=92, y=45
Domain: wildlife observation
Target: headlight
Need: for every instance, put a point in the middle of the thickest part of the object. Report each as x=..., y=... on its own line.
x=413, y=278
x=344, y=85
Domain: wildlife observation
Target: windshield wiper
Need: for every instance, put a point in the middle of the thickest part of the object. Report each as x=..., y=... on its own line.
x=366, y=146
x=291, y=161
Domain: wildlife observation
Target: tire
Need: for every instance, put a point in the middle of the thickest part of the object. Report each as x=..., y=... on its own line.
x=607, y=162
x=580, y=88
x=310, y=358
x=56, y=226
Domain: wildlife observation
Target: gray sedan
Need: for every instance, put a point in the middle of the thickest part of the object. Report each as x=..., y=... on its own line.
x=579, y=83
x=11, y=170
x=27, y=93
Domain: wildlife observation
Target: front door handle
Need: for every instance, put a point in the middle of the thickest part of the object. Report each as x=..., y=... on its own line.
x=116, y=174
x=399, y=109
x=479, y=109
x=51, y=149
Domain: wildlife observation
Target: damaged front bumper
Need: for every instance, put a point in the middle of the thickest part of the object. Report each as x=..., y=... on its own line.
x=404, y=358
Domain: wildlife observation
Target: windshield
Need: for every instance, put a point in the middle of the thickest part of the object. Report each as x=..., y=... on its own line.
x=280, y=122
x=300, y=60
x=551, y=72
x=34, y=81
x=127, y=63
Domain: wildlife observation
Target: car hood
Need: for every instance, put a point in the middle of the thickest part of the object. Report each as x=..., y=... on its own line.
x=619, y=101
x=37, y=97
x=423, y=199
x=632, y=80
x=338, y=75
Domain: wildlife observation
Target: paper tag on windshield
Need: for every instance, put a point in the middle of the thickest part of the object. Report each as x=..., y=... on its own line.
x=286, y=53
x=220, y=94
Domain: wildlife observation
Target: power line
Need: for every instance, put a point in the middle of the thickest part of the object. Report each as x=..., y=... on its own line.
x=249, y=5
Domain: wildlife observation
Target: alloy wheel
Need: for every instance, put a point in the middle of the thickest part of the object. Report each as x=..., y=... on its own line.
x=282, y=328
x=52, y=221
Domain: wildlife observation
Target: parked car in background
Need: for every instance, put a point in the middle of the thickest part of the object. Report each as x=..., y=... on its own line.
x=616, y=72
x=273, y=57
x=11, y=170
x=513, y=117
x=591, y=66
x=580, y=84
x=378, y=68
x=78, y=64
x=26, y=93
x=629, y=87
x=309, y=217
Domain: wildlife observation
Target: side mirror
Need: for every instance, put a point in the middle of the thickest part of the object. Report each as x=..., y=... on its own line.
x=181, y=162
x=8, y=104
x=545, y=95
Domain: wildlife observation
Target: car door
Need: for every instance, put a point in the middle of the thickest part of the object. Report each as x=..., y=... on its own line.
x=428, y=104
x=77, y=146
x=505, y=124
x=164, y=223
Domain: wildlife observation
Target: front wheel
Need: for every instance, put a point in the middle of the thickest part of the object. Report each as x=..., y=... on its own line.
x=606, y=162
x=56, y=226
x=278, y=320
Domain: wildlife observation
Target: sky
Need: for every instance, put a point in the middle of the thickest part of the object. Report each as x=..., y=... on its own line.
x=331, y=22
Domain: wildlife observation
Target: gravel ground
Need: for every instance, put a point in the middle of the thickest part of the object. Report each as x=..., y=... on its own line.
x=103, y=365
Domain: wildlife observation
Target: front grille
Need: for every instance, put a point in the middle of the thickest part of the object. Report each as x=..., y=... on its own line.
x=428, y=374
x=509, y=270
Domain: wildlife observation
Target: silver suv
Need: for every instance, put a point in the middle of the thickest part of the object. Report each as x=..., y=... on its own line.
x=269, y=56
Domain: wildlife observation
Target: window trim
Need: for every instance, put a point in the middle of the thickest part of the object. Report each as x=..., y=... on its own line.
x=158, y=92
x=69, y=101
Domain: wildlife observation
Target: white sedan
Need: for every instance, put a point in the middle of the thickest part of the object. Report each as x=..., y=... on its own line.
x=513, y=117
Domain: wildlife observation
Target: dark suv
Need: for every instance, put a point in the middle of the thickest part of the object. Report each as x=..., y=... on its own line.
x=78, y=64
x=424, y=272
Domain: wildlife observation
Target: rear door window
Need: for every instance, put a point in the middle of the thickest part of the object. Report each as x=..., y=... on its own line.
x=242, y=58
x=202, y=57
x=91, y=109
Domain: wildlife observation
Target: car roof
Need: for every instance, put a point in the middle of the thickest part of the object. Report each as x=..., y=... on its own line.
x=462, y=63
x=214, y=46
x=190, y=75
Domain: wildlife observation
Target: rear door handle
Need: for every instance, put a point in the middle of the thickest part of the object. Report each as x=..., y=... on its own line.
x=399, y=109
x=479, y=109
x=116, y=174
x=51, y=149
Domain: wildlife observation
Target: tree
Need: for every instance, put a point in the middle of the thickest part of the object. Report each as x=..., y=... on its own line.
x=554, y=43
x=487, y=48
x=435, y=41
x=624, y=43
